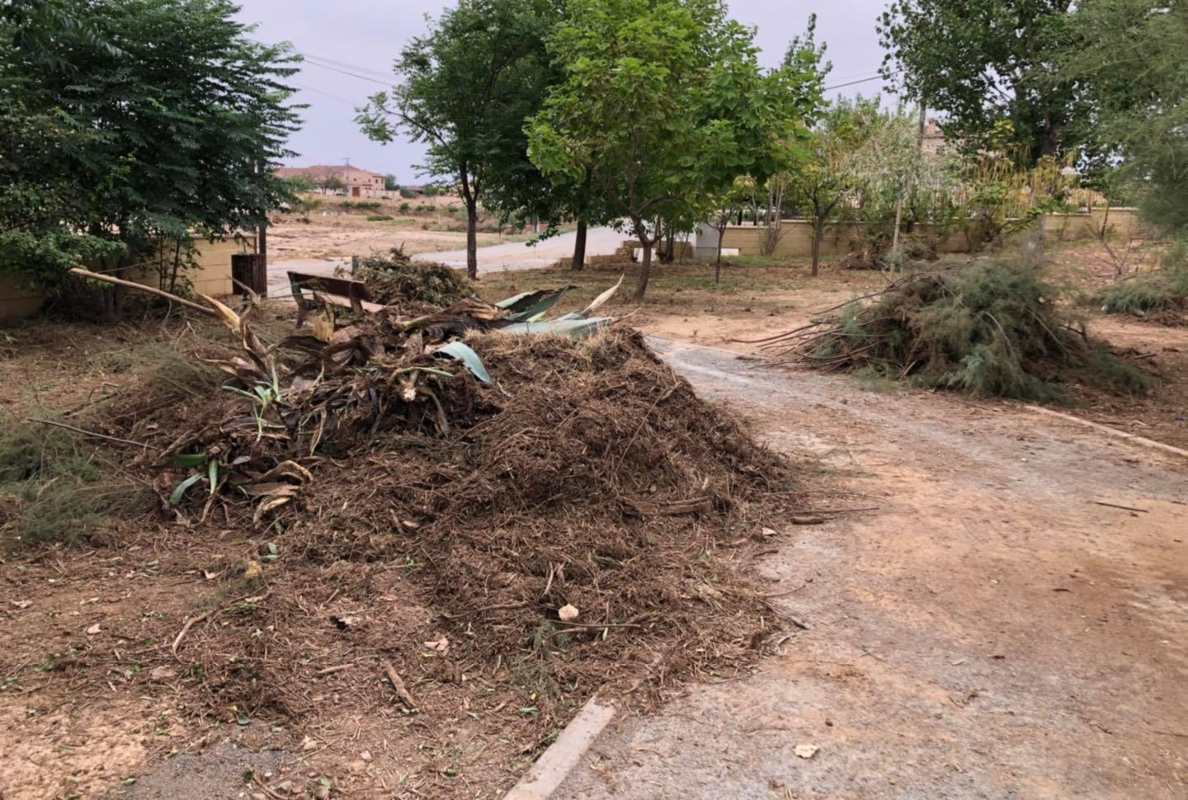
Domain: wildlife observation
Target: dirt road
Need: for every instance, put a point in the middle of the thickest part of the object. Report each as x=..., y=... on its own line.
x=991, y=631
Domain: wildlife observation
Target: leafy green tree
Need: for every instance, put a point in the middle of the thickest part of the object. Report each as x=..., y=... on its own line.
x=391, y=184
x=980, y=61
x=464, y=90
x=127, y=122
x=300, y=183
x=1128, y=57
x=832, y=171
x=661, y=107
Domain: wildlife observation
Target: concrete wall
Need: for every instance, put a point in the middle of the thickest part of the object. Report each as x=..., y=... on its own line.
x=211, y=276
x=796, y=237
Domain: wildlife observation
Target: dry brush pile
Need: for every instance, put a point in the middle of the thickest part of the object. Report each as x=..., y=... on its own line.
x=989, y=329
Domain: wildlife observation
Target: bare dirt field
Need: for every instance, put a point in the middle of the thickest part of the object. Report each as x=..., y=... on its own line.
x=330, y=230
x=1005, y=615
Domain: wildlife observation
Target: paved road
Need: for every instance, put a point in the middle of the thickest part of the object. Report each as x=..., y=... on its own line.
x=991, y=631
x=518, y=255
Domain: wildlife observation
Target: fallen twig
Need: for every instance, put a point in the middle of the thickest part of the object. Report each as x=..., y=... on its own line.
x=398, y=685
x=190, y=623
x=86, y=432
x=1115, y=505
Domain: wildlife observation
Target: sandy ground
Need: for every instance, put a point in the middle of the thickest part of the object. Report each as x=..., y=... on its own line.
x=989, y=631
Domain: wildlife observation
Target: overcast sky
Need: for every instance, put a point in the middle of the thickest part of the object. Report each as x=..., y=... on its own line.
x=363, y=37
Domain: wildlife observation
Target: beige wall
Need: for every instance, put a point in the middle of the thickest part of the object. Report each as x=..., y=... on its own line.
x=212, y=276
x=796, y=238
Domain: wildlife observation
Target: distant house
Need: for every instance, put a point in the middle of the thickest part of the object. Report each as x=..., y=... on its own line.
x=355, y=182
x=934, y=139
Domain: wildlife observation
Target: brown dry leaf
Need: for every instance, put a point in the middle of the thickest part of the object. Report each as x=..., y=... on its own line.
x=441, y=645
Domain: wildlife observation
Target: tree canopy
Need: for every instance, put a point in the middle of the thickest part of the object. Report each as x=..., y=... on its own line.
x=662, y=106
x=1128, y=58
x=124, y=121
x=979, y=61
x=464, y=90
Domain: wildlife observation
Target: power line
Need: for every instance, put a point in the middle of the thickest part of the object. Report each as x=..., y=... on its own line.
x=385, y=84
x=853, y=83
x=347, y=65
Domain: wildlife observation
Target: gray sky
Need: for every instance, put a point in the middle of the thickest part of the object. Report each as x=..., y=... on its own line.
x=363, y=37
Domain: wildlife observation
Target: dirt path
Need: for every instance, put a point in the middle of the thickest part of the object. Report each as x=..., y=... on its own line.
x=990, y=631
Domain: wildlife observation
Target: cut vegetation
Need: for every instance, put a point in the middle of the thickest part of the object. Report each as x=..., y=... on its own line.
x=990, y=329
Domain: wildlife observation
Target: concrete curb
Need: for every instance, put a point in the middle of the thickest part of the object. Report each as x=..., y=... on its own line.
x=555, y=764
x=1130, y=437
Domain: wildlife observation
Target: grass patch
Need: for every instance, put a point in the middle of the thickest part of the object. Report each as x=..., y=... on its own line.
x=56, y=489
x=1160, y=293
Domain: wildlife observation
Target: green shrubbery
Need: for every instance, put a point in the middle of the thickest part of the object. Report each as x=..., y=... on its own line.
x=53, y=489
x=380, y=218
x=990, y=329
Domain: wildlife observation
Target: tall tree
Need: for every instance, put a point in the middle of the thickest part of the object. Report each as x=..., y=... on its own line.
x=1128, y=57
x=979, y=61
x=659, y=111
x=464, y=90
x=124, y=121
x=830, y=173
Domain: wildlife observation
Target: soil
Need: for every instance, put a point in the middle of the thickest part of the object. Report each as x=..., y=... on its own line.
x=331, y=231
x=988, y=629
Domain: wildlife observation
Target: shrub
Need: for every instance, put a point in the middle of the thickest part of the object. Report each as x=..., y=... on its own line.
x=1161, y=293
x=379, y=218
x=405, y=208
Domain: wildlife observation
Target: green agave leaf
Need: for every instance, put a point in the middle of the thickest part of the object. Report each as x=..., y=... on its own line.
x=468, y=357
x=178, y=493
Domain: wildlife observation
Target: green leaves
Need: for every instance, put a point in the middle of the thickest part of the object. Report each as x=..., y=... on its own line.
x=100, y=132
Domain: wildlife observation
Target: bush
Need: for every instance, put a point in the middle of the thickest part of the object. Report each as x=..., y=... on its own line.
x=360, y=205
x=407, y=193
x=1161, y=293
x=990, y=329
x=405, y=208
x=379, y=218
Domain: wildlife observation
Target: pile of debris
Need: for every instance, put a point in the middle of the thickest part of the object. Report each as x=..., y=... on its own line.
x=325, y=393
x=395, y=279
x=458, y=526
x=991, y=329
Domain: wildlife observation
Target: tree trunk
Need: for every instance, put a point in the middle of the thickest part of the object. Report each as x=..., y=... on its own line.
x=818, y=233
x=669, y=246
x=895, y=233
x=718, y=261
x=645, y=269
x=472, y=239
x=579, y=247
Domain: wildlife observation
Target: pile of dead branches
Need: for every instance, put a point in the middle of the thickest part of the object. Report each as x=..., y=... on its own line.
x=397, y=279
x=991, y=329
x=325, y=393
